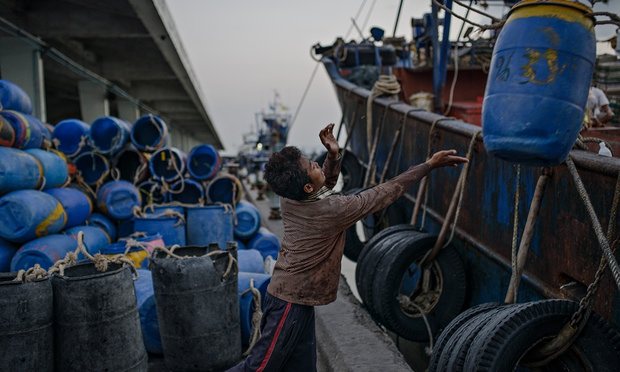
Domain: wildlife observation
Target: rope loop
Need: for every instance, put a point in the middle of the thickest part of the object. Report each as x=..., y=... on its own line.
x=32, y=274
x=256, y=316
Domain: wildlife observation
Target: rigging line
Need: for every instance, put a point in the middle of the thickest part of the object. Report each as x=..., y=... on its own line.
x=357, y=15
x=470, y=7
x=372, y=6
x=480, y=26
x=303, y=96
x=400, y=7
x=456, y=64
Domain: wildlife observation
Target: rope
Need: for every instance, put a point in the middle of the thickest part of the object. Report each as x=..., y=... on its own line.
x=385, y=85
x=492, y=26
x=370, y=174
x=370, y=9
x=526, y=239
x=515, y=222
x=100, y=261
x=359, y=11
x=32, y=274
x=169, y=213
x=231, y=258
x=81, y=144
x=115, y=173
x=406, y=301
x=596, y=225
x=43, y=183
x=354, y=121
x=303, y=96
x=139, y=173
x=161, y=131
x=456, y=63
x=256, y=316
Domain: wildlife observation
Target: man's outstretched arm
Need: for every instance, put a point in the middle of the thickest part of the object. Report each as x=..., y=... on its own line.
x=331, y=165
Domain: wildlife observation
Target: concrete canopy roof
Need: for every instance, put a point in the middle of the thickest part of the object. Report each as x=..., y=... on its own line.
x=132, y=43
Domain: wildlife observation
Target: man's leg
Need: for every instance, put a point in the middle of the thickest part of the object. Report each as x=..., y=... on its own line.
x=281, y=326
x=303, y=357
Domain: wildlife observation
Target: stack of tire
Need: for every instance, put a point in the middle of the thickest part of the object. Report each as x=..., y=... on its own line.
x=40, y=212
x=390, y=282
x=493, y=337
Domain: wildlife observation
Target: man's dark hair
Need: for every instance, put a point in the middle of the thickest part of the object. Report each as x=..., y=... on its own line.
x=285, y=175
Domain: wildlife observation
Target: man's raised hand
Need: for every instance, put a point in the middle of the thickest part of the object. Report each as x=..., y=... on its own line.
x=446, y=158
x=329, y=141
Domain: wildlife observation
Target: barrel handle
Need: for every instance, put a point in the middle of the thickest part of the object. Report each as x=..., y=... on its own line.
x=101, y=261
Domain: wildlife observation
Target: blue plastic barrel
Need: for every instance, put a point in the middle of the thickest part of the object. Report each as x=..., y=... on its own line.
x=76, y=204
x=246, y=303
x=104, y=223
x=18, y=170
x=7, y=251
x=93, y=167
x=55, y=170
x=71, y=136
x=539, y=81
x=203, y=162
x=28, y=129
x=162, y=208
x=248, y=220
x=150, y=191
x=250, y=260
x=266, y=242
x=209, y=224
x=224, y=189
x=44, y=251
x=170, y=225
x=145, y=295
x=186, y=191
x=95, y=238
x=168, y=164
x=117, y=199
x=108, y=135
x=7, y=133
x=149, y=133
x=138, y=255
x=132, y=165
x=28, y=214
x=12, y=97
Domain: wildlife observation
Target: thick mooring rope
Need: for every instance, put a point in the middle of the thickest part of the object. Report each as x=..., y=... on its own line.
x=256, y=316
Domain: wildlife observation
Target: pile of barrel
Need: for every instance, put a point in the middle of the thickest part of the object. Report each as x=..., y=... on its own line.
x=147, y=196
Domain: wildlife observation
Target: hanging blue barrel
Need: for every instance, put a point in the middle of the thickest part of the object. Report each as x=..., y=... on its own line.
x=248, y=220
x=12, y=97
x=117, y=199
x=203, y=162
x=108, y=135
x=26, y=330
x=18, y=170
x=132, y=165
x=76, y=204
x=95, y=238
x=104, y=223
x=246, y=303
x=96, y=321
x=44, y=251
x=209, y=224
x=71, y=136
x=186, y=191
x=7, y=251
x=145, y=295
x=197, y=309
x=149, y=133
x=250, y=261
x=137, y=255
x=170, y=224
x=168, y=164
x=225, y=189
x=7, y=133
x=150, y=192
x=539, y=81
x=266, y=242
x=28, y=132
x=28, y=214
x=55, y=170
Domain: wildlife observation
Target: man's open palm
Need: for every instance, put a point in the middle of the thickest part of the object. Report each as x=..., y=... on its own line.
x=328, y=140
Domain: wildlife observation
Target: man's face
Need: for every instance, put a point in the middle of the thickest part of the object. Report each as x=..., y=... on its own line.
x=315, y=172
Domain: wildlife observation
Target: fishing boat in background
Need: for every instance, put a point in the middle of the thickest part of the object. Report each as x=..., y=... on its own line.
x=482, y=265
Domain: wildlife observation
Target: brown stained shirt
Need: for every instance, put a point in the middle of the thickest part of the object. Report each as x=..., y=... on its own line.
x=308, y=267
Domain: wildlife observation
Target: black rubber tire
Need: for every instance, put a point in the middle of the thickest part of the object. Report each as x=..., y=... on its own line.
x=387, y=281
x=352, y=171
x=370, y=244
x=502, y=343
x=447, y=333
x=369, y=269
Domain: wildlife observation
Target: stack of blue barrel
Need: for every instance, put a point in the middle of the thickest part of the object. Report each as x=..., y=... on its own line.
x=40, y=211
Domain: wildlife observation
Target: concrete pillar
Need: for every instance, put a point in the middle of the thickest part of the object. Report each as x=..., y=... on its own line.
x=127, y=111
x=93, y=100
x=21, y=63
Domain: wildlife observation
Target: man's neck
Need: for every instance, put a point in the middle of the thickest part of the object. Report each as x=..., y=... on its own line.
x=321, y=193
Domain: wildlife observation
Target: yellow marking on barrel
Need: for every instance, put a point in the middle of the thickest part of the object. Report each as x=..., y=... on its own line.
x=534, y=56
x=57, y=213
x=566, y=10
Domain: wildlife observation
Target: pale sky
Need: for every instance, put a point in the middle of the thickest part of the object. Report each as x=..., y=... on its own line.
x=243, y=50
